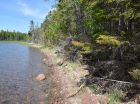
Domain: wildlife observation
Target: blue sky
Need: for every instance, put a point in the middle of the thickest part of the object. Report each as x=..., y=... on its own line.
x=16, y=14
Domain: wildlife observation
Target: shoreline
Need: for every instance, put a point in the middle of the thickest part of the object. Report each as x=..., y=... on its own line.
x=65, y=78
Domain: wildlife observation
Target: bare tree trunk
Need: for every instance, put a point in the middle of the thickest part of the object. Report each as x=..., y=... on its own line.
x=80, y=23
x=122, y=23
x=130, y=26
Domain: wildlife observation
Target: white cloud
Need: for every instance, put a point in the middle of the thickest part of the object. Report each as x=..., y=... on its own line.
x=27, y=10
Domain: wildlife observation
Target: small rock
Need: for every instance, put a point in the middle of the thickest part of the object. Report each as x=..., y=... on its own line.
x=40, y=77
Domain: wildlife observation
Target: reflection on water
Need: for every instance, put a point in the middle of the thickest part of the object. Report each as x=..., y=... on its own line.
x=19, y=66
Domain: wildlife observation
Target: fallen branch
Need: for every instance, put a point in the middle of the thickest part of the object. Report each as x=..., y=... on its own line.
x=82, y=86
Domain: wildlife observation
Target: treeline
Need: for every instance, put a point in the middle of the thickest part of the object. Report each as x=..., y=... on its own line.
x=12, y=36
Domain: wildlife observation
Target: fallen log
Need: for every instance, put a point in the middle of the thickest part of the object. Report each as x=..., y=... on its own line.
x=111, y=84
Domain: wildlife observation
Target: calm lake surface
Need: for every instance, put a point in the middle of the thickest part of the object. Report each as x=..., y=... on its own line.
x=19, y=65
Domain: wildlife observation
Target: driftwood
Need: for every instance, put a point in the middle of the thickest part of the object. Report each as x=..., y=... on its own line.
x=111, y=84
x=75, y=93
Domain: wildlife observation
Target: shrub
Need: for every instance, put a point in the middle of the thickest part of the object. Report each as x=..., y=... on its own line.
x=77, y=43
x=135, y=74
x=85, y=47
x=108, y=40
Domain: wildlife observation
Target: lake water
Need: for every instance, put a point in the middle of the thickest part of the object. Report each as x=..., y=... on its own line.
x=19, y=65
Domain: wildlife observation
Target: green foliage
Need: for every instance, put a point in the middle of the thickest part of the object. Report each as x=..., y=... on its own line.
x=87, y=20
x=115, y=96
x=108, y=40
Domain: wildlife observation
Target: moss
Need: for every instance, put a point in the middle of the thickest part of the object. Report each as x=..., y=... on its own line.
x=108, y=40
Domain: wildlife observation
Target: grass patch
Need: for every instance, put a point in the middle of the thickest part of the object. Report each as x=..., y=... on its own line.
x=72, y=65
x=18, y=42
x=115, y=96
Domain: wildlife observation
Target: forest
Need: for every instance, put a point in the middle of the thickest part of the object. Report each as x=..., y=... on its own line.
x=12, y=36
x=105, y=34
